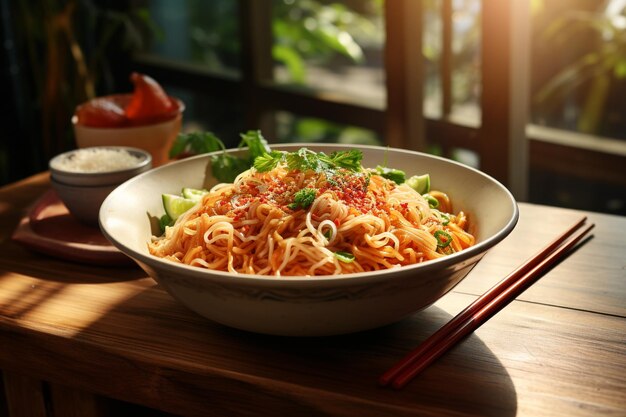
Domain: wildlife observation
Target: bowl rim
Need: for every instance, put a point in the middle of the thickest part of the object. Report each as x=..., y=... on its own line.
x=146, y=159
x=55, y=181
x=478, y=250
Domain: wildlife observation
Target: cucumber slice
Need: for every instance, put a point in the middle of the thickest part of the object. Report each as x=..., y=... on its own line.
x=420, y=183
x=194, y=193
x=175, y=205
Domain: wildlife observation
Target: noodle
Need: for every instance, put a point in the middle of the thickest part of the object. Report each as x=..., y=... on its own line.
x=357, y=222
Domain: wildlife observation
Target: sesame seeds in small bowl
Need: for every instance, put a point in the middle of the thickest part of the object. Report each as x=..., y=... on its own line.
x=84, y=177
x=99, y=165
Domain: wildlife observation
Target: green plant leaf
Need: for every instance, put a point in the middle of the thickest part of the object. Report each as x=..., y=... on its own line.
x=292, y=60
x=581, y=70
x=620, y=68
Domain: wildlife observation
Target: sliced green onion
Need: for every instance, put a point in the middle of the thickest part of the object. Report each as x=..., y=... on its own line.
x=432, y=201
x=443, y=238
x=346, y=257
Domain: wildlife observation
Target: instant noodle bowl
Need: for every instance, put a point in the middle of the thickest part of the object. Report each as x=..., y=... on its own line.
x=304, y=305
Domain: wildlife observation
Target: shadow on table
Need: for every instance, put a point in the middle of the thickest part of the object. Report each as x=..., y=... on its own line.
x=53, y=269
x=198, y=358
x=469, y=379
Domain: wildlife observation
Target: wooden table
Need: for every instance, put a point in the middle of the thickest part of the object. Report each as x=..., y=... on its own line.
x=75, y=338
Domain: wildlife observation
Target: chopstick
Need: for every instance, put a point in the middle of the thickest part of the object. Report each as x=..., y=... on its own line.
x=483, y=308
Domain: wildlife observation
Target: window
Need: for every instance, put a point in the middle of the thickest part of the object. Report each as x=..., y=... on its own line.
x=578, y=88
x=465, y=85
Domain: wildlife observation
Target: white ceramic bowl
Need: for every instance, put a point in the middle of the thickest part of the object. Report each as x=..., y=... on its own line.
x=313, y=306
x=83, y=192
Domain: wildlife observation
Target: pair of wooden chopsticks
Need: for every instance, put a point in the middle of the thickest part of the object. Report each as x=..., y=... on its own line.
x=477, y=313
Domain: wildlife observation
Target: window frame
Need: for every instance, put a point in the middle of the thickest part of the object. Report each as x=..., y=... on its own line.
x=508, y=147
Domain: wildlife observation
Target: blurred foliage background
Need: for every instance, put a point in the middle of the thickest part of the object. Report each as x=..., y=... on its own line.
x=58, y=53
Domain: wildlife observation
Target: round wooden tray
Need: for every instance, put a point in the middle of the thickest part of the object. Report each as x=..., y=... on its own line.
x=49, y=228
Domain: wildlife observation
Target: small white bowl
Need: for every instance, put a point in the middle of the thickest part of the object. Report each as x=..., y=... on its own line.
x=83, y=190
x=310, y=306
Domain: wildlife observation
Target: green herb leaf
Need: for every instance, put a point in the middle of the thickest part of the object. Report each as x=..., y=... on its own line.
x=268, y=161
x=303, y=160
x=303, y=198
x=225, y=167
x=306, y=159
x=256, y=143
x=346, y=257
x=344, y=159
x=195, y=143
x=164, y=221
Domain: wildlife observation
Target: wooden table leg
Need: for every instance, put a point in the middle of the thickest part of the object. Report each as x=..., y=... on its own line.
x=69, y=402
x=25, y=397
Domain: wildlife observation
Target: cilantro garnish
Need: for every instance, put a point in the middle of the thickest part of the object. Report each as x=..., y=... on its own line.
x=225, y=166
x=256, y=143
x=346, y=257
x=268, y=162
x=195, y=143
x=303, y=160
x=303, y=198
x=350, y=160
x=307, y=160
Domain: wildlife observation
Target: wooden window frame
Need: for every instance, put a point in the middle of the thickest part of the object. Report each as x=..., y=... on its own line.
x=507, y=146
